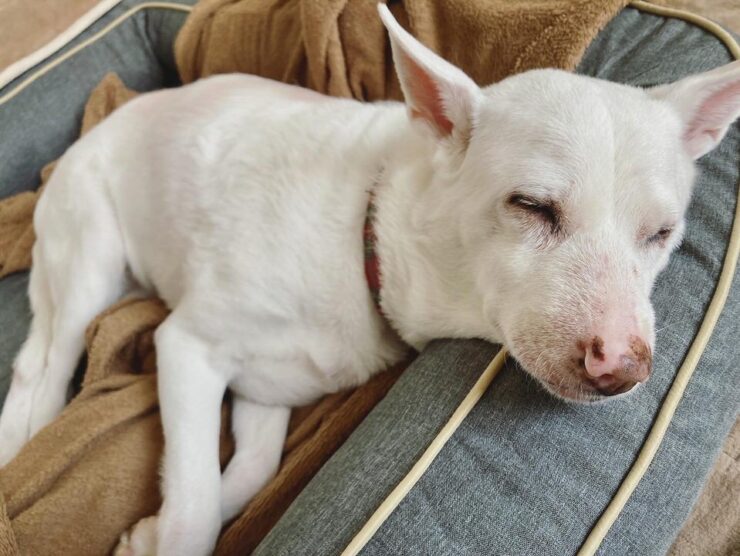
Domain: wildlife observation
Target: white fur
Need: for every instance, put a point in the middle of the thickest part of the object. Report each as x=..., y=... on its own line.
x=241, y=202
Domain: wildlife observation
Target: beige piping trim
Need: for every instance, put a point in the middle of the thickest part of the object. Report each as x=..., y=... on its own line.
x=90, y=40
x=83, y=22
x=407, y=483
x=663, y=419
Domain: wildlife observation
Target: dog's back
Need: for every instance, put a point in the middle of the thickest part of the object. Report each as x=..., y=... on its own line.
x=235, y=197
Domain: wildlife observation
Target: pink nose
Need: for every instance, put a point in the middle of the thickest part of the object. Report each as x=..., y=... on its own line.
x=616, y=365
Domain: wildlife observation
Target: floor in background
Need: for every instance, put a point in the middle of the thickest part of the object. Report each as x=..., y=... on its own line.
x=725, y=12
x=27, y=25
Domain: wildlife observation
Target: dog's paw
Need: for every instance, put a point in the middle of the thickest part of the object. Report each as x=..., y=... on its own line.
x=140, y=541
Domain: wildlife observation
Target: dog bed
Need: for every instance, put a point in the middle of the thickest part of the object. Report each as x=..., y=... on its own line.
x=489, y=490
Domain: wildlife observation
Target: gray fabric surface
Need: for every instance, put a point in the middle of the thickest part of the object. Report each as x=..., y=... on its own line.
x=381, y=450
x=15, y=316
x=525, y=473
x=38, y=125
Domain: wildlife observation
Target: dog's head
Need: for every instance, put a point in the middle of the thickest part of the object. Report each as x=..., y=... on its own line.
x=569, y=194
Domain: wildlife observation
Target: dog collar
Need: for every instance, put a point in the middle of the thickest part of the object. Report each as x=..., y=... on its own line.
x=372, y=262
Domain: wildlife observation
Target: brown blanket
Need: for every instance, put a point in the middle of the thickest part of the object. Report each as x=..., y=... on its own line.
x=93, y=472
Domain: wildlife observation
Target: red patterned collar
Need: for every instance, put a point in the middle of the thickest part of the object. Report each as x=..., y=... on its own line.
x=372, y=262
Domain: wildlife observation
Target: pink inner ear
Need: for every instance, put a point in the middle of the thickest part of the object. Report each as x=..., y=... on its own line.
x=715, y=113
x=426, y=99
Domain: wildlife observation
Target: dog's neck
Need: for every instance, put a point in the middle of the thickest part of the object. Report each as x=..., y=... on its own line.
x=427, y=291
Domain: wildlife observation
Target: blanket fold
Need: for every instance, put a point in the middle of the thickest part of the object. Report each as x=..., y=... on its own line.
x=93, y=472
x=339, y=47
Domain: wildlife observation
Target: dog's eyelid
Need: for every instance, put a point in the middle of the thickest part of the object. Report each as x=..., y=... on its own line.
x=529, y=201
x=534, y=204
x=663, y=233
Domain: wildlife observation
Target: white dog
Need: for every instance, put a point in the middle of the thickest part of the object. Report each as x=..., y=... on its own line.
x=536, y=212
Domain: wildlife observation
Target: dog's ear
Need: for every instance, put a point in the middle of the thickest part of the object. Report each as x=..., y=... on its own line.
x=708, y=104
x=435, y=91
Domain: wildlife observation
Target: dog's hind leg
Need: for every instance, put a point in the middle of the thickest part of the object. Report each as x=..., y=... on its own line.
x=259, y=432
x=78, y=271
x=28, y=365
x=191, y=391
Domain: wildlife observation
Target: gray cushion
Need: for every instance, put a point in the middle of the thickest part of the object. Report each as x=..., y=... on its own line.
x=525, y=473
x=15, y=316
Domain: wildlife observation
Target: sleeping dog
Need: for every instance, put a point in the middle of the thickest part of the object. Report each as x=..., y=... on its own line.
x=535, y=212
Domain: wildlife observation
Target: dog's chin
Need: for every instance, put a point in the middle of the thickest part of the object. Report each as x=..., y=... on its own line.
x=566, y=387
x=570, y=384
x=580, y=392
x=576, y=393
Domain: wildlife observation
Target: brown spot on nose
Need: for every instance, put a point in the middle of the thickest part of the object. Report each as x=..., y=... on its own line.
x=641, y=351
x=642, y=358
x=597, y=348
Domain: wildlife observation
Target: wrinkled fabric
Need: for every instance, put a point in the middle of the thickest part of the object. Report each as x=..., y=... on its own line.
x=340, y=47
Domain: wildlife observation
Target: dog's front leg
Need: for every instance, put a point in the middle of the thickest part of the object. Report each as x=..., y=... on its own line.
x=190, y=394
x=259, y=432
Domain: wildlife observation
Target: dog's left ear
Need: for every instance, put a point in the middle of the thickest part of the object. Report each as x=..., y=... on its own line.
x=708, y=104
x=436, y=92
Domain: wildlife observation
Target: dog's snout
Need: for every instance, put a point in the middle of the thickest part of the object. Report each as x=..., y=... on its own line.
x=613, y=366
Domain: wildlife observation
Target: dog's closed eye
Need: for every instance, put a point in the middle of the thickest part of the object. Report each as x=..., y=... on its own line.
x=546, y=211
x=660, y=237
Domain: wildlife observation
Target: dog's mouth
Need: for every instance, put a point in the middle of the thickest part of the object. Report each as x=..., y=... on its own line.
x=565, y=382
x=584, y=391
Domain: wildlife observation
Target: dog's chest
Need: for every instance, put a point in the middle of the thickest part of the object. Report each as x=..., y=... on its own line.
x=290, y=334
x=295, y=314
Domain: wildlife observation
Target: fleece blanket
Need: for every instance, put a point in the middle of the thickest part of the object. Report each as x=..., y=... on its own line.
x=93, y=472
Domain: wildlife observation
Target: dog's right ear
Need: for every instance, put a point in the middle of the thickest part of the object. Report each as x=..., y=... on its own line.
x=435, y=91
x=708, y=104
